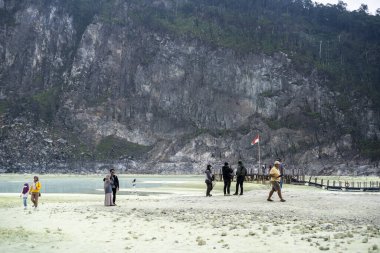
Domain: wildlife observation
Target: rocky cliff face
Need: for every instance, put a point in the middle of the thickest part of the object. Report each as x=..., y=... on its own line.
x=110, y=91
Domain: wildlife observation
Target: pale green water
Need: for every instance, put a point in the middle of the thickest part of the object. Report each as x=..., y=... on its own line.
x=94, y=183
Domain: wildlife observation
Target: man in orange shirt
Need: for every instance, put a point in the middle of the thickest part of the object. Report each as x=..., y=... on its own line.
x=275, y=178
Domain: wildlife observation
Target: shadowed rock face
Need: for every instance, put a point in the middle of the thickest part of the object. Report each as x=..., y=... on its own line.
x=172, y=103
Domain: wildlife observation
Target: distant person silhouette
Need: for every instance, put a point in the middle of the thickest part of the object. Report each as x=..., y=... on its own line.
x=134, y=185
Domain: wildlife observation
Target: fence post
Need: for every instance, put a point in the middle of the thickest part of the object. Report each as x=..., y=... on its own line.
x=303, y=174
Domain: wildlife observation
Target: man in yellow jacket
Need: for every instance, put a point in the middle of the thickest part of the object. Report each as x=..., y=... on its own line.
x=275, y=178
x=35, y=191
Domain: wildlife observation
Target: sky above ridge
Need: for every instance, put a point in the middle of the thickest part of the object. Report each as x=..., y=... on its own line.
x=373, y=5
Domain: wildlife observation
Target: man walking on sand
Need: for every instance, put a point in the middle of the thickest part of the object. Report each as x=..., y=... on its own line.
x=241, y=173
x=275, y=177
x=35, y=191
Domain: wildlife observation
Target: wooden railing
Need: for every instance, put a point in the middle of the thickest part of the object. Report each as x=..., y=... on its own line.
x=299, y=179
x=344, y=185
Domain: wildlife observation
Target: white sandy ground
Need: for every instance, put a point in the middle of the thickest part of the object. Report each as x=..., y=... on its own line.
x=311, y=220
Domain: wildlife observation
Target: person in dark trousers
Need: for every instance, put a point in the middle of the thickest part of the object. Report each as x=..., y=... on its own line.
x=227, y=177
x=208, y=180
x=115, y=185
x=241, y=173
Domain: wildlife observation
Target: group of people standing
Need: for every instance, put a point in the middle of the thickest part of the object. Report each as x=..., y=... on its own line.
x=34, y=190
x=228, y=175
x=111, y=187
x=275, y=173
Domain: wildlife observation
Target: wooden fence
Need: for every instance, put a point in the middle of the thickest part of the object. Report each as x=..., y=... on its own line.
x=297, y=177
x=344, y=185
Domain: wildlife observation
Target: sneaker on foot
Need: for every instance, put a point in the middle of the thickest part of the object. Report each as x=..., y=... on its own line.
x=269, y=200
x=235, y=194
x=282, y=200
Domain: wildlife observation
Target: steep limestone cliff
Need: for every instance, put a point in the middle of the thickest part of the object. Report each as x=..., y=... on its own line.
x=77, y=95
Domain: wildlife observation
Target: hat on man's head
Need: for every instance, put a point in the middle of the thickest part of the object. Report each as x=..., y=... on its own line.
x=226, y=163
x=276, y=162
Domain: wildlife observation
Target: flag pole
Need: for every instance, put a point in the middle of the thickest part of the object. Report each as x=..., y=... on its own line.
x=259, y=157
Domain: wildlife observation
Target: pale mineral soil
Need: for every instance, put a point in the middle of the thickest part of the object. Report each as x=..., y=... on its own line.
x=183, y=220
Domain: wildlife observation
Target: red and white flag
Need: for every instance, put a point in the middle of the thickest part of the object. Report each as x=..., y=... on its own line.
x=256, y=140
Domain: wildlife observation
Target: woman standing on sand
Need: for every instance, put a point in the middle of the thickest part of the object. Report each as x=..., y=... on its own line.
x=35, y=191
x=208, y=181
x=108, y=191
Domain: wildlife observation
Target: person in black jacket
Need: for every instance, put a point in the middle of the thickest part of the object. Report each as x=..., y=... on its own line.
x=227, y=177
x=115, y=184
x=241, y=173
